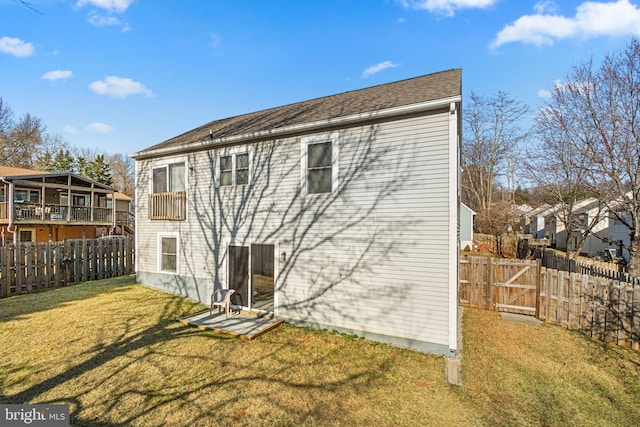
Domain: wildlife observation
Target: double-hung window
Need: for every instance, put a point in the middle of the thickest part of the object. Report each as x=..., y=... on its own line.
x=233, y=169
x=169, y=178
x=320, y=164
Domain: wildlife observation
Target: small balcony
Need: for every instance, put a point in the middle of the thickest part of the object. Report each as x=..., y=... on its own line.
x=168, y=206
x=54, y=213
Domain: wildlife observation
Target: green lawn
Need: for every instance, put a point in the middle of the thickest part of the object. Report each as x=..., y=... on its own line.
x=113, y=351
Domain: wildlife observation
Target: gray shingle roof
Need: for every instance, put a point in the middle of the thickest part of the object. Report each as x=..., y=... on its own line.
x=416, y=90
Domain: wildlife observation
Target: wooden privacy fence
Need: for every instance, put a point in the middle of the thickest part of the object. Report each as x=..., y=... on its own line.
x=502, y=284
x=30, y=267
x=600, y=307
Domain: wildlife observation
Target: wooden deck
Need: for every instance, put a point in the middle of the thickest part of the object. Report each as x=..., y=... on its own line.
x=245, y=325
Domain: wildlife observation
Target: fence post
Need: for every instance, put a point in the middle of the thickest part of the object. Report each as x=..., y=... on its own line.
x=538, y=280
x=4, y=269
x=490, y=284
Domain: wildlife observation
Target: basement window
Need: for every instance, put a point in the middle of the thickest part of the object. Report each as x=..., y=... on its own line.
x=168, y=253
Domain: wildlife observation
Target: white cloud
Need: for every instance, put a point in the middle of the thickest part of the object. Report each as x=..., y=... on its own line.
x=119, y=87
x=103, y=21
x=69, y=129
x=446, y=7
x=97, y=127
x=57, y=75
x=546, y=6
x=374, y=69
x=543, y=93
x=592, y=19
x=118, y=6
x=16, y=47
x=107, y=21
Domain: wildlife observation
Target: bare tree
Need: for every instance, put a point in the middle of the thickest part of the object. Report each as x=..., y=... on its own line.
x=123, y=169
x=556, y=164
x=492, y=134
x=6, y=119
x=20, y=143
x=598, y=110
x=29, y=5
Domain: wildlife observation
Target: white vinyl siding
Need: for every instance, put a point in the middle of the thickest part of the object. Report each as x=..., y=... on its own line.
x=372, y=256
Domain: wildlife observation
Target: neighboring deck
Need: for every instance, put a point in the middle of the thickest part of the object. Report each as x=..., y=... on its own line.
x=244, y=324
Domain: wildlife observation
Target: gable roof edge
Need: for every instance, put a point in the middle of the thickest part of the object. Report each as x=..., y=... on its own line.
x=304, y=127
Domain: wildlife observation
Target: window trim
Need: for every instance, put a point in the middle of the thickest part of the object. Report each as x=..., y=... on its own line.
x=32, y=239
x=166, y=164
x=161, y=236
x=332, y=137
x=29, y=191
x=233, y=152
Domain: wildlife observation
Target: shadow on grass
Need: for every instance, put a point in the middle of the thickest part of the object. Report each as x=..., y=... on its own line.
x=524, y=375
x=132, y=347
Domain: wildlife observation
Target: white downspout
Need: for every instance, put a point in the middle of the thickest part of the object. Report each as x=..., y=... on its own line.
x=10, y=208
x=113, y=213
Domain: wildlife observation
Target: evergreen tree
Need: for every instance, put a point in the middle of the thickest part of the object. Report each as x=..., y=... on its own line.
x=63, y=161
x=97, y=169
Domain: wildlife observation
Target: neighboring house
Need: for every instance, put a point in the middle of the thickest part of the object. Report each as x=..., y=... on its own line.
x=125, y=216
x=38, y=206
x=590, y=219
x=521, y=220
x=534, y=221
x=619, y=233
x=466, y=227
x=610, y=229
x=554, y=222
x=339, y=212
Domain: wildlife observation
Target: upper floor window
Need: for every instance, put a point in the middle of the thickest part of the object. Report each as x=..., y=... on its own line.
x=320, y=164
x=22, y=195
x=233, y=169
x=319, y=167
x=169, y=178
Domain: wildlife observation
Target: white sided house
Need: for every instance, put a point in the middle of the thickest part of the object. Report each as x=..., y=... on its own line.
x=339, y=212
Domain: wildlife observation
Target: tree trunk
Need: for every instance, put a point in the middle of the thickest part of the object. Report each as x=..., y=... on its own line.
x=634, y=257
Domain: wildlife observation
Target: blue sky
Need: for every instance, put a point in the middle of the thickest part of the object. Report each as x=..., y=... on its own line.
x=121, y=75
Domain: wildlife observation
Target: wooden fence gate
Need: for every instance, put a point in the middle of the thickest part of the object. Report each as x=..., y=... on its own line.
x=600, y=307
x=500, y=284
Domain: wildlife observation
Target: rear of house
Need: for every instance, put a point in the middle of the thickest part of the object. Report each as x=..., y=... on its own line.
x=339, y=212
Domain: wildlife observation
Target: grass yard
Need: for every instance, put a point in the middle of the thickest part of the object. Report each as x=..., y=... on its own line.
x=113, y=351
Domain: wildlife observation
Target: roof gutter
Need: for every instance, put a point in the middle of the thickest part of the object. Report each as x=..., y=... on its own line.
x=304, y=127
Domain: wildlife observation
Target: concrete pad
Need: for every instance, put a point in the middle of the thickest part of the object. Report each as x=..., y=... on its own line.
x=453, y=370
x=247, y=326
x=523, y=319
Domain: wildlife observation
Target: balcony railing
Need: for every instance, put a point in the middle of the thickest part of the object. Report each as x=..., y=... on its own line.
x=125, y=218
x=54, y=213
x=169, y=206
